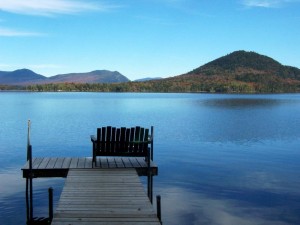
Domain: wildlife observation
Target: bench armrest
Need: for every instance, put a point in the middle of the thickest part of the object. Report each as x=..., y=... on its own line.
x=93, y=138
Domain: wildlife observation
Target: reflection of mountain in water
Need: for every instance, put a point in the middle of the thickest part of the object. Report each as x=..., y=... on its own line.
x=246, y=118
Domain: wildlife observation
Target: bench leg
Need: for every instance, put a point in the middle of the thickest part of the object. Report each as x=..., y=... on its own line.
x=94, y=161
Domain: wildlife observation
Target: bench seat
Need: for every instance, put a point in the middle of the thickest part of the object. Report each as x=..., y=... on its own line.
x=130, y=142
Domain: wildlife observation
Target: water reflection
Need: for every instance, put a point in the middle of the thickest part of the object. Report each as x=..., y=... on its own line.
x=12, y=196
x=245, y=118
x=193, y=207
x=223, y=159
x=242, y=102
x=11, y=182
x=230, y=183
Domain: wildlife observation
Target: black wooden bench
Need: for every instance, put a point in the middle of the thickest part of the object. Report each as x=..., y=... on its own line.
x=127, y=142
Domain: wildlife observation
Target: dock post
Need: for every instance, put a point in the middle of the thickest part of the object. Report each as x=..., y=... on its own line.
x=158, y=207
x=50, y=190
x=150, y=186
x=28, y=139
x=152, y=133
x=30, y=183
x=29, y=199
x=150, y=176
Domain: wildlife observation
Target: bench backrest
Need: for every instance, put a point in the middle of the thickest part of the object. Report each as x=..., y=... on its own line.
x=112, y=141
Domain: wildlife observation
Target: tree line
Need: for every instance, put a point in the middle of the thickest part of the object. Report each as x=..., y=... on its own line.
x=180, y=85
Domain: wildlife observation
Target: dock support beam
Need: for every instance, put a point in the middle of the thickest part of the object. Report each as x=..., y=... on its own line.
x=29, y=193
x=150, y=175
x=158, y=207
x=50, y=191
x=150, y=187
x=29, y=199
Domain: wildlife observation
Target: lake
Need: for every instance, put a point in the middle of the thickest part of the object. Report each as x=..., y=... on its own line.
x=223, y=159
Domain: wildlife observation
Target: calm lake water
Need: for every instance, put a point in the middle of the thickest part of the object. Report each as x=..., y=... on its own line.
x=223, y=159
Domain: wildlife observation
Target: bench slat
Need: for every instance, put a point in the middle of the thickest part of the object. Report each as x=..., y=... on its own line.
x=113, y=139
x=129, y=142
x=127, y=136
x=108, y=139
x=103, y=134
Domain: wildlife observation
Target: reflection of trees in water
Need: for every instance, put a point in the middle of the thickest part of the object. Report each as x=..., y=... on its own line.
x=247, y=118
x=242, y=102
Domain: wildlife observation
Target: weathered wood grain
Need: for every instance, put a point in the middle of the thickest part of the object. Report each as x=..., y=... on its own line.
x=104, y=196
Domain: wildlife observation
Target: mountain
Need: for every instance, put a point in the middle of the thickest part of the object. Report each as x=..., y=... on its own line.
x=26, y=77
x=97, y=76
x=240, y=63
x=20, y=77
x=237, y=72
x=241, y=72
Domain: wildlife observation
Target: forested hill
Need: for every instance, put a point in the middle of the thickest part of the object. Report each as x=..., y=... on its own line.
x=241, y=72
x=240, y=63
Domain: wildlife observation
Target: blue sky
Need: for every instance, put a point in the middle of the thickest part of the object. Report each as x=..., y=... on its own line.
x=143, y=38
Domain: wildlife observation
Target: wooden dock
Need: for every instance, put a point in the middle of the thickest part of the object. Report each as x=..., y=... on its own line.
x=100, y=190
x=110, y=193
x=104, y=196
x=59, y=166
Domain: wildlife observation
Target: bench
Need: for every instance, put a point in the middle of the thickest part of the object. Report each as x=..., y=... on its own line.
x=127, y=142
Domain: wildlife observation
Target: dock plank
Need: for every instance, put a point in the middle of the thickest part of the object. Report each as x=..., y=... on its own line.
x=74, y=163
x=81, y=163
x=44, y=163
x=119, y=162
x=126, y=162
x=104, y=196
x=111, y=162
x=59, y=163
x=134, y=162
x=66, y=163
x=88, y=163
x=59, y=166
x=141, y=162
x=36, y=163
x=104, y=162
x=51, y=163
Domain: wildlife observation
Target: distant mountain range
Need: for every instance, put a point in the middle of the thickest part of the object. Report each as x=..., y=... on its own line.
x=26, y=77
x=237, y=72
x=23, y=76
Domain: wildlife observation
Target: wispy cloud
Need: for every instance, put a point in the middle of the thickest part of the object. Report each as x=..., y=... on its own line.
x=52, y=7
x=266, y=3
x=7, y=32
